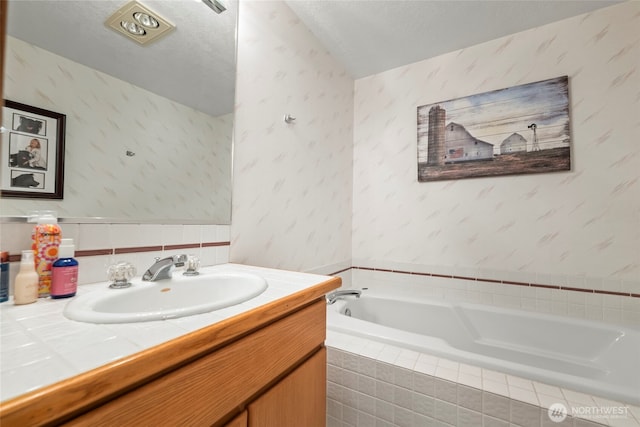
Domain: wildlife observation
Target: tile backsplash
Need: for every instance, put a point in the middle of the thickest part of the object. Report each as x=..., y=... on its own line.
x=100, y=245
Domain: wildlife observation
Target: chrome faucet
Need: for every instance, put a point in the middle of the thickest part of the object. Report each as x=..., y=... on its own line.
x=163, y=268
x=333, y=296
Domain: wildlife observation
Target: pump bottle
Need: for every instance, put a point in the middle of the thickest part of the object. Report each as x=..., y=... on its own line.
x=25, y=289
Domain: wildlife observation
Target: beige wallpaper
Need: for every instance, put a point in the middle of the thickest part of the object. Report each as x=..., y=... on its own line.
x=579, y=228
x=182, y=162
x=292, y=182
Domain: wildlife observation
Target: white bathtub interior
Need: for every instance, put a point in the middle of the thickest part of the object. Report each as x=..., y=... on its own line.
x=582, y=355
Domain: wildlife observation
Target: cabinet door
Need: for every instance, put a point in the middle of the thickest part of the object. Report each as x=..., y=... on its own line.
x=239, y=421
x=297, y=400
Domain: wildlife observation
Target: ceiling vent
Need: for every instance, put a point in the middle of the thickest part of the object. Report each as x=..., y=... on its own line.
x=139, y=23
x=215, y=5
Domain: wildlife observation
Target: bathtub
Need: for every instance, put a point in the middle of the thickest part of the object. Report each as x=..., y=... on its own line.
x=581, y=355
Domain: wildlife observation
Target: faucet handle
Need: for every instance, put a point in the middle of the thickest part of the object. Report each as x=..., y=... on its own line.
x=192, y=264
x=120, y=273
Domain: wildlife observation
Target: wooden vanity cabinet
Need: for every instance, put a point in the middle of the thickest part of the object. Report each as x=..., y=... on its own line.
x=238, y=421
x=262, y=368
x=211, y=390
x=297, y=400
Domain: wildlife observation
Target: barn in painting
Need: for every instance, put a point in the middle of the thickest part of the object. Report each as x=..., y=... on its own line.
x=513, y=144
x=461, y=146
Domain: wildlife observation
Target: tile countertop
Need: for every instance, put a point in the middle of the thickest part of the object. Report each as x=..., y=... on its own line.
x=39, y=346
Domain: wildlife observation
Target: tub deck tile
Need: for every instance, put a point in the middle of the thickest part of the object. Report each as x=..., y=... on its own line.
x=524, y=395
x=548, y=390
x=495, y=387
x=496, y=377
x=470, y=369
x=447, y=374
x=579, y=398
x=520, y=383
x=470, y=380
x=425, y=368
x=502, y=400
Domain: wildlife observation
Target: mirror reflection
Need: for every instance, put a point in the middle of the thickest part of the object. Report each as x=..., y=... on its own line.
x=149, y=127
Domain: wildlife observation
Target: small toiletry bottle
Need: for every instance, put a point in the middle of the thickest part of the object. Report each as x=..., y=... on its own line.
x=64, y=273
x=46, y=239
x=4, y=276
x=25, y=288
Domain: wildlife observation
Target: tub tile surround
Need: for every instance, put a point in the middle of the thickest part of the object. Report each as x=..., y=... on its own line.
x=100, y=245
x=455, y=285
x=40, y=346
x=370, y=383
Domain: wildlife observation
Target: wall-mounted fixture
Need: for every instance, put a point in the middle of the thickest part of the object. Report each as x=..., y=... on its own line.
x=215, y=5
x=139, y=23
x=288, y=118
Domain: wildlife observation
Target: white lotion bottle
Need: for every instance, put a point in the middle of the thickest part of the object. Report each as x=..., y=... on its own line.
x=25, y=288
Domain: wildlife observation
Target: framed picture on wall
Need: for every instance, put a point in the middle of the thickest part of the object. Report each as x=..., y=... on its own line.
x=32, y=152
x=516, y=130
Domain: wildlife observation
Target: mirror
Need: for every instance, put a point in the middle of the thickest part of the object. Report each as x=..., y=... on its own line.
x=148, y=128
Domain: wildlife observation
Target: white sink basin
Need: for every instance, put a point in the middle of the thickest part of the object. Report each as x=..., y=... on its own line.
x=166, y=299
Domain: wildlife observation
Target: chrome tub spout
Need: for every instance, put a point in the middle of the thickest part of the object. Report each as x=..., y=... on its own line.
x=334, y=296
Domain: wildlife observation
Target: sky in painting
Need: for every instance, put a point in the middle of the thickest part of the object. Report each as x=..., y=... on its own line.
x=494, y=116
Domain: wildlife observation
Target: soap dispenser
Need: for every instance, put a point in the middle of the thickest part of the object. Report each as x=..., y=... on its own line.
x=64, y=272
x=25, y=288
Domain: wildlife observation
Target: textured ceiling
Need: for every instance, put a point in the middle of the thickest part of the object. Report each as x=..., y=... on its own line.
x=371, y=36
x=195, y=64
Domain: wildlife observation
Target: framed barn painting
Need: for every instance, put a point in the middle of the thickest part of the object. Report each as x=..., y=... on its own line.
x=32, y=152
x=518, y=130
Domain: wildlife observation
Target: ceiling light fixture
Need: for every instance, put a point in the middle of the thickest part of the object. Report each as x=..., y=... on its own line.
x=215, y=5
x=146, y=20
x=139, y=23
x=133, y=28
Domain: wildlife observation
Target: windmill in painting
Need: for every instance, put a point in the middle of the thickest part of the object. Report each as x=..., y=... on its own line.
x=517, y=130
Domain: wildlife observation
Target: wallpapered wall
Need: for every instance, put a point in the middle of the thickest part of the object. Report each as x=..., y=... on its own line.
x=292, y=182
x=583, y=223
x=182, y=165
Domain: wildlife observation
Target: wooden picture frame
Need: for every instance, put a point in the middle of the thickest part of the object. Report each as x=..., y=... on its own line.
x=32, y=152
x=517, y=130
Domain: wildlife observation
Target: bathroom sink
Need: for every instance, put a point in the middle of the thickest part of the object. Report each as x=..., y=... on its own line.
x=166, y=299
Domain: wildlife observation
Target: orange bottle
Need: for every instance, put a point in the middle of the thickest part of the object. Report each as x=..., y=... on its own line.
x=46, y=240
